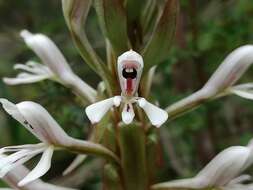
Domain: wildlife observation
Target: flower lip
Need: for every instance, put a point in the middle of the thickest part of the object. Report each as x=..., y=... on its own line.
x=129, y=73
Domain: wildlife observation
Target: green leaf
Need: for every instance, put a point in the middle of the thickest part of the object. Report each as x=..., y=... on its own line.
x=157, y=49
x=133, y=156
x=112, y=17
x=133, y=10
x=75, y=13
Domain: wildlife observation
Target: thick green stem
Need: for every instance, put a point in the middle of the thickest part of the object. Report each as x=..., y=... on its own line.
x=133, y=157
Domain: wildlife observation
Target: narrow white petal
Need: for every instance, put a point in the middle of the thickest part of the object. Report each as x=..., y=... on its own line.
x=41, y=168
x=21, y=147
x=128, y=113
x=10, y=166
x=156, y=115
x=96, y=111
x=34, y=67
x=243, y=94
x=191, y=183
x=12, y=158
x=29, y=78
x=240, y=179
x=12, y=161
x=77, y=161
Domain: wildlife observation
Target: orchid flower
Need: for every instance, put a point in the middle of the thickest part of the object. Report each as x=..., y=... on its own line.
x=230, y=71
x=37, y=120
x=130, y=65
x=54, y=67
x=221, y=172
x=40, y=123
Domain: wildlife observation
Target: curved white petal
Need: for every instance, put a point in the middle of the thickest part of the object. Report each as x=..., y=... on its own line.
x=231, y=69
x=12, y=109
x=156, y=115
x=37, y=120
x=76, y=162
x=47, y=51
x=21, y=147
x=240, y=179
x=128, y=113
x=41, y=168
x=191, y=183
x=226, y=165
x=96, y=111
x=243, y=90
x=12, y=161
x=25, y=78
x=42, y=123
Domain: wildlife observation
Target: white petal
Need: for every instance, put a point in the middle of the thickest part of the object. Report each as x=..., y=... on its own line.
x=42, y=123
x=21, y=147
x=156, y=115
x=47, y=51
x=10, y=166
x=226, y=165
x=231, y=69
x=41, y=168
x=96, y=111
x=243, y=90
x=37, y=120
x=128, y=113
x=240, y=179
x=12, y=161
x=12, y=109
x=191, y=183
x=77, y=161
x=21, y=79
x=34, y=67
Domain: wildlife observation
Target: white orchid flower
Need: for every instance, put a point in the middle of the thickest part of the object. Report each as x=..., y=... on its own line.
x=130, y=66
x=230, y=71
x=222, y=172
x=40, y=123
x=54, y=67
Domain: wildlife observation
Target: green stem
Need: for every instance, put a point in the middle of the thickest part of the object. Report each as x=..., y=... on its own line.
x=133, y=157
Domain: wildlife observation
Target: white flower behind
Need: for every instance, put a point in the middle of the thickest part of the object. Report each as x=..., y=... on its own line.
x=54, y=66
x=224, y=171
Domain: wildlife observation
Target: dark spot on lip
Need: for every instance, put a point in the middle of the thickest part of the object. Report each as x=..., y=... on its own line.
x=131, y=75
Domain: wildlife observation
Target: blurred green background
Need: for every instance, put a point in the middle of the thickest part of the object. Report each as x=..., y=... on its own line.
x=207, y=31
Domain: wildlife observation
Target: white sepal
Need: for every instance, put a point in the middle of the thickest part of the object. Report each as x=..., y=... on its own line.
x=156, y=115
x=243, y=90
x=41, y=168
x=128, y=113
x=96, y=111
x=37, y=120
